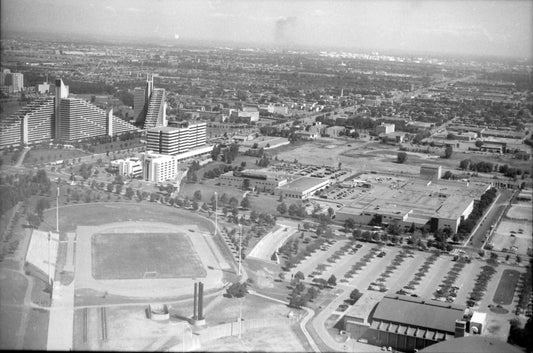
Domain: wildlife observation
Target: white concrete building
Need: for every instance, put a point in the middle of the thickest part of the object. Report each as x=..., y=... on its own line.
x=158, y=167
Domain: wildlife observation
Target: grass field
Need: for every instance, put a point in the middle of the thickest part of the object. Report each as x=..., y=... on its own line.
x=45, y=155
x=505, y=291
x=130, y=256
x=36, y=336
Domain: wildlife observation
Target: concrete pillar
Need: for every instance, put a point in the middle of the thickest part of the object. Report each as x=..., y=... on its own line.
x=201, y=301
x=195, y=305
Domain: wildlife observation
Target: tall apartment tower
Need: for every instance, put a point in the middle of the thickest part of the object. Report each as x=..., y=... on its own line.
x=149, y=106
x=17, y=81
x=61, y=93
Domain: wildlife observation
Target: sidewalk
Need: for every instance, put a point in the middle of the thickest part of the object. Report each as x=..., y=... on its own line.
x=61, y=322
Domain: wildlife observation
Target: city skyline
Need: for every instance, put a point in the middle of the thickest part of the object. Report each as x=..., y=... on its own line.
x=500, y=28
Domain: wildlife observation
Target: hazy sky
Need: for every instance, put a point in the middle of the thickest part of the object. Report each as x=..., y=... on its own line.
x=471, y=27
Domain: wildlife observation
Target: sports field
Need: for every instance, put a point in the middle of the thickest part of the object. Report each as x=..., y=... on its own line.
x=506, y=288
x=144, y=255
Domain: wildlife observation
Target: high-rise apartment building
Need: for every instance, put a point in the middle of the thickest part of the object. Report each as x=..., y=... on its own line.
x=17, y=81
x=60, y=118
x=149, y=105
x=176, y=140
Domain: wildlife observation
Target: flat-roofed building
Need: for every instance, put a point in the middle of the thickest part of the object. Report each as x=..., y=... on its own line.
x=158, y=167
x=176, y=140
x=302, y=188
x=406, y=323
x=129, y=167
x=258, y=180
x=433, y=204
x=385, y=128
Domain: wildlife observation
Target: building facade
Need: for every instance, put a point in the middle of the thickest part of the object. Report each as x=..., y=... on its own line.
x=174, y=140
x=158, y=167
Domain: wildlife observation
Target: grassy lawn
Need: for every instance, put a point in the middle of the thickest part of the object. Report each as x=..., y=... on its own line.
x=505, y=291
x=45, y=155
x=13, y=288
x=36, y=336
x=130, y=256
x=9, y=322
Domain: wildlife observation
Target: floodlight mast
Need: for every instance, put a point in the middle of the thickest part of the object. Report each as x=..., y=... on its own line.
x=216, y=210
x=57, y=211
x=240, y=248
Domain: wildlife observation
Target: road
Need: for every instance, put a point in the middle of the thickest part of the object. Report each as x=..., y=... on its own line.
x=498, y=208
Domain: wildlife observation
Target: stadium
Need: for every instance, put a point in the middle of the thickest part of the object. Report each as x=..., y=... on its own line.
x=146, y=259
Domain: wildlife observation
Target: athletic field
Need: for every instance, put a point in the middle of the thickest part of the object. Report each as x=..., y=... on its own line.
x=144, y=255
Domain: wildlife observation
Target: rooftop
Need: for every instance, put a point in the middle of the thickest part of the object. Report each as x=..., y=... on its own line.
x=419, y=312
x=304, y=183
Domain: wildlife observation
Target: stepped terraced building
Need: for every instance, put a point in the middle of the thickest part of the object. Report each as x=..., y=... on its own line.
x=61, y=118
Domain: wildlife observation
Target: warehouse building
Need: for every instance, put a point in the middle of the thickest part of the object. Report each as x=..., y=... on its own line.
x=406, y=323
x=257, y=180
x=304, y=187
x=437, y=204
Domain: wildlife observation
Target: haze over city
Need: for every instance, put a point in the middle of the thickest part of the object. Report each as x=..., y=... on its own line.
x=501, y=28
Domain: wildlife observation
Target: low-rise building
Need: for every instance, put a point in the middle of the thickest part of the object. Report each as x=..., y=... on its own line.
x=257, y=180
x=385, y=128
x=302, y=188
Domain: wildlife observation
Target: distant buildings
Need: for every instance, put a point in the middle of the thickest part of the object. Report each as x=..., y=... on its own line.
x=12, y=82
x=149, y=106
x=60, y=118
x=385, y=128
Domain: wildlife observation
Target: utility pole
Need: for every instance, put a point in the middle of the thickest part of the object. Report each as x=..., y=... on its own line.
x=57, y=211
x=216, y=209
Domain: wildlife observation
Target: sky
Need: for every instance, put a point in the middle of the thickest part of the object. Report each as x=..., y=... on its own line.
x=480, y=27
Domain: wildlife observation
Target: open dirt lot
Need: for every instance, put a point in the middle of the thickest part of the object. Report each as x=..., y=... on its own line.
x=262, y=340
x=508, y=235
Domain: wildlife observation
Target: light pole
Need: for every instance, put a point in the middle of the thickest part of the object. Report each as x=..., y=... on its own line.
x=240, y=318
x=57, y=211
x=216, y=209
x=240, y=248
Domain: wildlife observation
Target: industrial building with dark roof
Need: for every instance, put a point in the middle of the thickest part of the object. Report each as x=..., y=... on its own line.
x=406, y=323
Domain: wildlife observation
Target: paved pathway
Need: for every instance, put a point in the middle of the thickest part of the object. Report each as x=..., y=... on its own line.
x=61, y=322
x=309, y=316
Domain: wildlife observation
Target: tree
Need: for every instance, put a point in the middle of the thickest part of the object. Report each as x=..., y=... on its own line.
x=479, y=143
x=331, y=212
x=299, y=276
x=237, y=290
x=245, y=203
x=354, y=295
x=41, y=205
x=246, y=184
x=332, y=281
x=197, y=195
x=118, y=189
x=401, y=157
x=282, y=208
x=448, y=151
